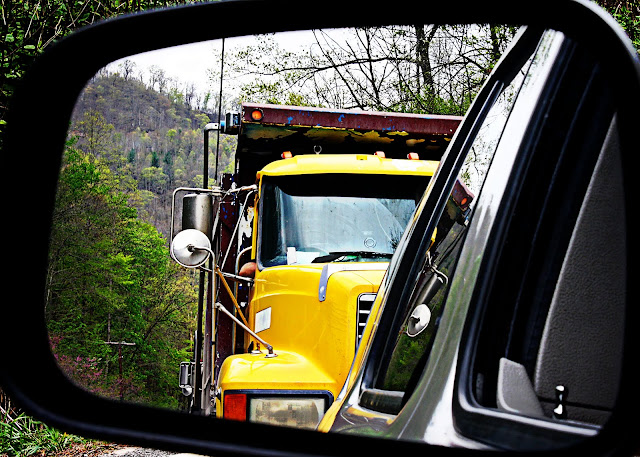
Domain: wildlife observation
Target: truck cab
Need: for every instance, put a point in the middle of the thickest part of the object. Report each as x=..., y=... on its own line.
x=325, y=229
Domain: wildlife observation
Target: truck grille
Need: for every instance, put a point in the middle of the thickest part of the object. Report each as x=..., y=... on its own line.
x=365, y=302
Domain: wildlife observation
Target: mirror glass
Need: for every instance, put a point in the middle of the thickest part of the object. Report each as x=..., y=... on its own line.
x=123, y=316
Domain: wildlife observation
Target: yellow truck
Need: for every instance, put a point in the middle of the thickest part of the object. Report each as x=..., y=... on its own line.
x=292, y=248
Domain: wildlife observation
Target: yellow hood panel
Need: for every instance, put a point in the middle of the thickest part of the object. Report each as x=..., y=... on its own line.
x=287, y=370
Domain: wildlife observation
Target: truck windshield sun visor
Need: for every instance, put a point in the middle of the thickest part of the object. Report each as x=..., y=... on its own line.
x=345, y=256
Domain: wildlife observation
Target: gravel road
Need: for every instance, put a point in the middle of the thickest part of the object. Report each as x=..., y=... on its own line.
x=144, y=452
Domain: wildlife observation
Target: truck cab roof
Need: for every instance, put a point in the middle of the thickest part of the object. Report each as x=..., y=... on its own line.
x=348, y=164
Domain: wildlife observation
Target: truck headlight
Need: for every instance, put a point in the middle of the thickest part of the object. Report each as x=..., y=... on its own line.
x=289, y=408
x=300, y=412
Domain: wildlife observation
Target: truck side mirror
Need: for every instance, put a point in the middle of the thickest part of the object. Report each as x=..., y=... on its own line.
x=185, y=378
x=197, y=212
x=191, y=248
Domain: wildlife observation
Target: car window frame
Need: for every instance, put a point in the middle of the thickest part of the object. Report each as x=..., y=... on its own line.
x=563, y=434
x=510, y=430
x=451, y=166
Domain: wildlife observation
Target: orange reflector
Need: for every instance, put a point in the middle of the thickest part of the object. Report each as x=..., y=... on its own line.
x=380, y=154
x=286, y=155
x=235, y=407
x=257, y=115
x=413, y=156
x=464, y=201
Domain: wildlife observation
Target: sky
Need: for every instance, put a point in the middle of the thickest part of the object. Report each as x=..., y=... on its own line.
x=189, y=63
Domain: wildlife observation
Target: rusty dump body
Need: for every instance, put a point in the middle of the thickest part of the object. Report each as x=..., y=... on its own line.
x=308, y=130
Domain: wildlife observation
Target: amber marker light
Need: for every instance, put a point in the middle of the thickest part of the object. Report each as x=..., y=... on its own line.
x=413, y=156
x=286, y=155
x=257, y=115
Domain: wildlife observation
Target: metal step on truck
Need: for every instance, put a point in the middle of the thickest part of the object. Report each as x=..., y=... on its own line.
x=291, y=249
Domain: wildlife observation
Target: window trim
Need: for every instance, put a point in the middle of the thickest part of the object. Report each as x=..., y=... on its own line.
x=507, y=430
x=407, y=264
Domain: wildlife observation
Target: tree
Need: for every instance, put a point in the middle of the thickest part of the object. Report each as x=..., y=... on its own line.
x=110, y=279
x=127, y=68
x=433, y=69
x=29, y=27
x=94, y=133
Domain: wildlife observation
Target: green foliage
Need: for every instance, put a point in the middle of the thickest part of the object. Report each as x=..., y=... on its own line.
x=29, y=26
x=111, y=280
x=150, y=143
x=23, y=436
x=627, y=14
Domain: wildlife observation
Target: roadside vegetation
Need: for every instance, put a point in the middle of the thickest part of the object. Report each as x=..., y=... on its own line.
x=24, y=436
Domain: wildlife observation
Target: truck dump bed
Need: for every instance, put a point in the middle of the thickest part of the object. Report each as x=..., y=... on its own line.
x=262, y=138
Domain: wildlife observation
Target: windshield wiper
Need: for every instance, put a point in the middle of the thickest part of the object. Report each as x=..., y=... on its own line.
x=365, y=254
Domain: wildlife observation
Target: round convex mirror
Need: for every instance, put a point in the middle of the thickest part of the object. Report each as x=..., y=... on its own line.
x=191, y=248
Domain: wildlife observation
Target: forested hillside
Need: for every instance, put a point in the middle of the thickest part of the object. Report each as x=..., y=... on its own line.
x=120, y=313
x=151, y=140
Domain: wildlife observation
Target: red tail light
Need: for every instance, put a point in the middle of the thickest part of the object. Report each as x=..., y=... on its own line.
x=235, y=407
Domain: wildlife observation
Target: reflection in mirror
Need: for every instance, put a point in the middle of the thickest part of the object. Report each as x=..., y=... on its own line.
x=411, y=350
x=349, y=124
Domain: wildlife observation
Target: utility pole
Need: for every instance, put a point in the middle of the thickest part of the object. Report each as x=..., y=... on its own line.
x=120, y=344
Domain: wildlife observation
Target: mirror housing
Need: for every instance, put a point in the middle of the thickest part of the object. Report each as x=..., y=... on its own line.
x=197, y=213
x=66, y=406
x=186, y=374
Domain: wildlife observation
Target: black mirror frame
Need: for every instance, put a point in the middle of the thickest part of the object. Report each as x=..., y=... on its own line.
x=28, y=370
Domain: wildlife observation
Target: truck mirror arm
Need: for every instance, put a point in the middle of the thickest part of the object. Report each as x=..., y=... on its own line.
x=251, y=188
x=219, y=307
x=237, y=278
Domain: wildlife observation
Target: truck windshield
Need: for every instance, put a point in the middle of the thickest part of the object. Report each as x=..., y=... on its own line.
x=339, y=218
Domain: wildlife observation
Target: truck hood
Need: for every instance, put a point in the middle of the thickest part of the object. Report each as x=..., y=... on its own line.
x=312, y=311
x=286, y=371
x=331, y=268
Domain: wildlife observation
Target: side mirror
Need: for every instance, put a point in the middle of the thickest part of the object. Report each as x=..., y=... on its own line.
x=191, y=248
x=64, y=405
x=419, y=320
x=197, y=212
x=186, y=374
